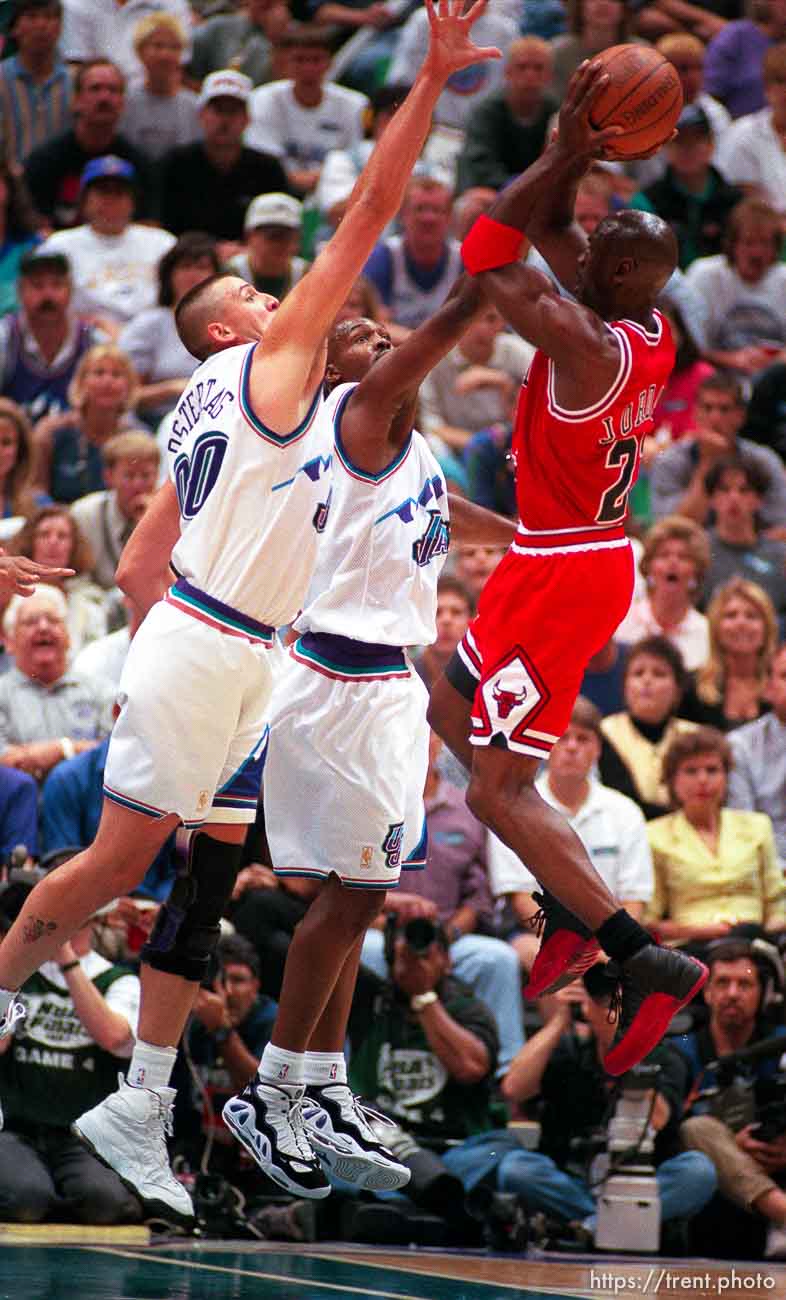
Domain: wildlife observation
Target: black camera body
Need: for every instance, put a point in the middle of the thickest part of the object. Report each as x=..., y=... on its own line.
x=770, y=1096
x=419, y=934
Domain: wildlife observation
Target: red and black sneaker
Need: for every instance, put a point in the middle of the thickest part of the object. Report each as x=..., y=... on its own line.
x=655, y=983
x=567, y=947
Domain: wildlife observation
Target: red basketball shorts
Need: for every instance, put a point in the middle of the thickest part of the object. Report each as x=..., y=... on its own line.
x=540, y=620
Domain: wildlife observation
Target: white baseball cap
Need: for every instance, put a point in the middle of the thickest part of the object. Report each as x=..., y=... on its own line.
x=226, y=82
x=273, y=210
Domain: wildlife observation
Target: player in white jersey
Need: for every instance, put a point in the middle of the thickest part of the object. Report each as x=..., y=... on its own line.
x=348, y=748
x=189, y=742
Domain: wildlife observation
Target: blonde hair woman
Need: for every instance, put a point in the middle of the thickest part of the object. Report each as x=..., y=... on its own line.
x=16, y=496
x=675, y=559
x=743, y=630
x=67, y=445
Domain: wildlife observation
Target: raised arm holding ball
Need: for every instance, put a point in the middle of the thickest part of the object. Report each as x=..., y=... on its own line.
x=565, y=584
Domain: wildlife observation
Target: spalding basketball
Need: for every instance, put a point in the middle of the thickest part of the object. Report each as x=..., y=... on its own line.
x=643, y=95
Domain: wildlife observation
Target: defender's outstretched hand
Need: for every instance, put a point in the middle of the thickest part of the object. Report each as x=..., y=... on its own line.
x=450, y=47
x=20, y=576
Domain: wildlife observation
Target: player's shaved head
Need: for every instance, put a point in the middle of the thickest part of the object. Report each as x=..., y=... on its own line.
x=195, y=311
x=643, y=236
x=630, y=257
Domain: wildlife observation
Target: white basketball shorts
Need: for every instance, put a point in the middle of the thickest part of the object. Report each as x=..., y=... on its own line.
x=346, y=764
x=192, y=735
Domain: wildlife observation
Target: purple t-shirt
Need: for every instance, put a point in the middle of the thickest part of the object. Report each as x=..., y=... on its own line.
x=733, y=67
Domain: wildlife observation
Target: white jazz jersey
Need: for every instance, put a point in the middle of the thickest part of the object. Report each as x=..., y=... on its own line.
x=247, y=495
x=383, y=541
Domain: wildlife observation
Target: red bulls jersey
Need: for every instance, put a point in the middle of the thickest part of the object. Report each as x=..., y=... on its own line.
x=575, y=469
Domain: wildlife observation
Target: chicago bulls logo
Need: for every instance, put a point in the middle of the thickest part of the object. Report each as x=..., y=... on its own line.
x=510, y=699
x=506, y=701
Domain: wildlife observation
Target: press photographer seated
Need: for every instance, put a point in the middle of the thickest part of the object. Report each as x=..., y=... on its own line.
x=561, y=1064
x=725, y=1115
x=63, y=1057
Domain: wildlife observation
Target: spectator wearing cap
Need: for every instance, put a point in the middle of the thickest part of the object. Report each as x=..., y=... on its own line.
x=160, y=112
x=151, y=340
x=302, y=117
x=753, y=156
x=92, y=28
x=270, y=263
x=47, y=713
x=35, y=84
x=692, y=195
x=113, y=260
x=53, y=170
x=465, y=89
x=42, y=344
x=238, y=40
x=209, y=184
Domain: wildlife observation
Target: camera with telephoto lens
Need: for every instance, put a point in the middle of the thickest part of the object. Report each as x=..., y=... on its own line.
x=628, y=1216
x=418, y=933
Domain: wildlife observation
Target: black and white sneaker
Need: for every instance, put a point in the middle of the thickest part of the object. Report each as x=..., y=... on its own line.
x=346, y=1136
x=267, y=1118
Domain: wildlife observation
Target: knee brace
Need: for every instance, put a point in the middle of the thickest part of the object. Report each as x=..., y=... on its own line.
x=188, y=926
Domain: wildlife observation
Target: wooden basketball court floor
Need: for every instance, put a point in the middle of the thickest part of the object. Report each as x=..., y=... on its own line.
x=126, y=1269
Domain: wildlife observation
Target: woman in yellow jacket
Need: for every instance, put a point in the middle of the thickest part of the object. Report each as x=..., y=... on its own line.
x=714, y=866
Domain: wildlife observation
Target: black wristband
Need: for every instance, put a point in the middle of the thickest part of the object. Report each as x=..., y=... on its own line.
x=69, y=966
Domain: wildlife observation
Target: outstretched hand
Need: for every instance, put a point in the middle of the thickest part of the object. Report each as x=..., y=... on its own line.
x=575, y=132
x=450, y=46
x=20, y=576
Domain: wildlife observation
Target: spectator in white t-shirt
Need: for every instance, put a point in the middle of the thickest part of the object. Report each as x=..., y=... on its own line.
x=299, y=120
x=113, y=261
x=753, y=154
x=743, y=291
x=610, y=826
x=160, y=111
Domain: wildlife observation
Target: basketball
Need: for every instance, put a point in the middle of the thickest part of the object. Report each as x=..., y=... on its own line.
x=643, y=95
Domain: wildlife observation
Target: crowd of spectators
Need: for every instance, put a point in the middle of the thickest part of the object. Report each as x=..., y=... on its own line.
x=143, y=146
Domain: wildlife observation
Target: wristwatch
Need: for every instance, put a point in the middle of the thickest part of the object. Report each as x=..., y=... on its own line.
x=421, y=1000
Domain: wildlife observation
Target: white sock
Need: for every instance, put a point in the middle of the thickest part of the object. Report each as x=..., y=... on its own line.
x=151, y=1066
x=279, y=1066
x=324, y=1067
x=6, y=998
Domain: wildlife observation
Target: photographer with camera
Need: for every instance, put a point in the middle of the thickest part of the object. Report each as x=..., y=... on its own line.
x=80, y=1025
x=424, y=1052
x=564, y=1068
x=728, y=1120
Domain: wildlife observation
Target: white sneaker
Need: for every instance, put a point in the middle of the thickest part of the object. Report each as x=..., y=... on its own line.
x=127, y=1133
x=267, y=1118
x=775, y=1247
x=340, y=1131
x=15, y=1012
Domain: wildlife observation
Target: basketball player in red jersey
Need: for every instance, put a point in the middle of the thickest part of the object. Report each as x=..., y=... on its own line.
x=566, y=582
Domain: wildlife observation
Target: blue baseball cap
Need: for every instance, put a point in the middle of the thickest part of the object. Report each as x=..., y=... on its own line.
x=110, y=167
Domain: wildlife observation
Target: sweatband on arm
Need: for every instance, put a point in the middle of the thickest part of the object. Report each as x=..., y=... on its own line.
x=491, y=244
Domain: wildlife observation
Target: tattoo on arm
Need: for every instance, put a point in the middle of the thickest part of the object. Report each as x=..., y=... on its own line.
x=36, y=928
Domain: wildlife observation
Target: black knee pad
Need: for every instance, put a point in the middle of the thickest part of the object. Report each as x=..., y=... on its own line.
x=188, y=925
